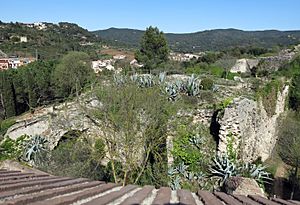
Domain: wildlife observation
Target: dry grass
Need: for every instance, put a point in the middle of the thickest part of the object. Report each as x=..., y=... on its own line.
x=111, y=51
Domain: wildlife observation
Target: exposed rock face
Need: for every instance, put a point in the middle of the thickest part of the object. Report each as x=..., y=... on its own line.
x=243, y=186
x=244, y=65
x=248, y=127
x=53, y=122
x=269, y=63
x=273, y=63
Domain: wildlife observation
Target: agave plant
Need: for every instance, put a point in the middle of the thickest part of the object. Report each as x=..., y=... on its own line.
x=134, y=78
x=196, y=140
x=180, y=85
x=257, y=172
x=215, y=88
x=192, y=87
x=119, y=79
x=199, y=176
x=172, y=91
x=172, y=171
x=183, y=169
x=176, y=175
x=147, y=81
x=143, y=81
x=161, y=77
x=34, y=148
x=175, y=183
x=223, y=168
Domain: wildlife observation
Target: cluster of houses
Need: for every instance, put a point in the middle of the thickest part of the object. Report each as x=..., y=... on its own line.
x=100, y=65
x=14, y=62
x=109, y=64
x=37, y=25
x=182, y=57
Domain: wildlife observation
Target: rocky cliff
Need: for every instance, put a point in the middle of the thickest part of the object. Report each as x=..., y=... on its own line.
x=246, y=125
x=54, y=121
x=269, y=63
x=244, y=65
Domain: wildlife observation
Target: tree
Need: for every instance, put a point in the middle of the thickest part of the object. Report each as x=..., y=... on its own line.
x=7, y=94
x=133, y=124
x=294, y=96
x=153, y=50
x=289, y=144
x=72, y=74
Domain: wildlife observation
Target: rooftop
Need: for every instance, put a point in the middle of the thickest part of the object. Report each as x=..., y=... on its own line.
x=38, y=188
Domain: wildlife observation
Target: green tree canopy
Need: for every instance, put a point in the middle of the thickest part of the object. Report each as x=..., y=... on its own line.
x=289, y=140
x=72, y=74
x=153, y=48
x=294, y=100
x=289, y=144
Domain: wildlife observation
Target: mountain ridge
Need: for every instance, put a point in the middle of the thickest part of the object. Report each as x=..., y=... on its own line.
x=215, y=39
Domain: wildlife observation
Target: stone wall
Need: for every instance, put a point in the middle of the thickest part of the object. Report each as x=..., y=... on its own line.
x=244, y=65
x=253, y=131
x=53, y=122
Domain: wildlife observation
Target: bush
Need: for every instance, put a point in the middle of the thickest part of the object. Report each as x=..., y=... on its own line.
x=76, y=158
x=216, y=71
x=207, y=83
x=268, y=94
x=195, y=70
x=13, y=149
x=294, y=95
x=5, y=124
x=188, y=146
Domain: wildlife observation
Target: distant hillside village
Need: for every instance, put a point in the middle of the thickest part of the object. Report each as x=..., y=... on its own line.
x=97, y=65
x=13, y=61
x=109, y=64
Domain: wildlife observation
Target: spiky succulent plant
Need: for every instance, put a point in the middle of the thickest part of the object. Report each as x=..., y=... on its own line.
x=119, y=79
x=172, y=91
x=255, y=171
x=161, y=77
x=193, y=86
x=143, y=81
x=223, y=168
x=34, y=148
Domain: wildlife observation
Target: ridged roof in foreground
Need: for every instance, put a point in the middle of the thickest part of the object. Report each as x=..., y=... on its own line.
x=21, y=188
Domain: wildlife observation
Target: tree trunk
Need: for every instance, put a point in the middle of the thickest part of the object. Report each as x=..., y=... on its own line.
x=114, y=171
x=125, y=177
x=143, y=168
x=294, y=184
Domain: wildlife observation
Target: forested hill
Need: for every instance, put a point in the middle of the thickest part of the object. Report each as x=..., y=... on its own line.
x=51, y=41
x=213, y=40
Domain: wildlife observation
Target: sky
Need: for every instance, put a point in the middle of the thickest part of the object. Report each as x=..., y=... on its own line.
x=170, y=16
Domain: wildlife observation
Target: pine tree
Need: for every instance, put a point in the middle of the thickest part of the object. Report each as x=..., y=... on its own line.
x=8, y=95
x=153, y=50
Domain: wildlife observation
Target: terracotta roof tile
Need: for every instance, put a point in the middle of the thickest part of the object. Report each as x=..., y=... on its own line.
x=41, y=189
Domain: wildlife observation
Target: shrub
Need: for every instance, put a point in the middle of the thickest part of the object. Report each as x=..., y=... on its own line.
x=99, y=149
x=13, y=149
x=268, y=94
x=216, y=71
x=294, y=95
x=232, y=154
x=188, y=147
x=76, y=158
x=207, y=83
x=5, y=124
x=194, y=70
